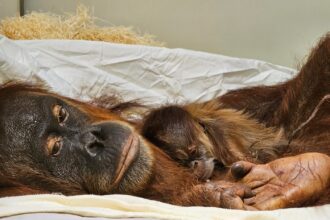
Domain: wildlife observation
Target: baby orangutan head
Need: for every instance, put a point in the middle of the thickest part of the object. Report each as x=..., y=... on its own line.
x=174, y=130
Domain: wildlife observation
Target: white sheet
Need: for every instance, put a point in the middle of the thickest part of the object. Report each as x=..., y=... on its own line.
x=84, y=69
x=123, y=206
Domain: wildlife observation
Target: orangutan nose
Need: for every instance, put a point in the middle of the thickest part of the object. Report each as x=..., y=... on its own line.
x=91, y=141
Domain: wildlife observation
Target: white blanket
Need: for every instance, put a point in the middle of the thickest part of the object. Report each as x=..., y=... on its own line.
x=84, y=70
x=122, y=206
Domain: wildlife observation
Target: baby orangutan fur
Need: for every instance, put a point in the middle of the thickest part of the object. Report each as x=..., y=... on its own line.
x=206, y=135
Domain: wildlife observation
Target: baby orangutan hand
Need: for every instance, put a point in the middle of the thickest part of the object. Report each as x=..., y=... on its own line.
x=282, y=183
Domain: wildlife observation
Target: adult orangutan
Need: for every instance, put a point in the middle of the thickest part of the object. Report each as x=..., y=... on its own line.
x=49, y=143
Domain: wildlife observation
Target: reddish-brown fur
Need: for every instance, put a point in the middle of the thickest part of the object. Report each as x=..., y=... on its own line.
x=283, y=106
x=257, y=124
x=290, y=104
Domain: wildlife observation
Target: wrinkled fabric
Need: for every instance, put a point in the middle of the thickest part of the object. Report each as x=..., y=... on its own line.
x=154, y=75
x=123, y=206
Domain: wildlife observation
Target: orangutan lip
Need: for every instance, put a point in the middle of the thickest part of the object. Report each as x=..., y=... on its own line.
x=128, y=154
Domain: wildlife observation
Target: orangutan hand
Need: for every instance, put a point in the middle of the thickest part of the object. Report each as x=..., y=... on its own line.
x=282, y=183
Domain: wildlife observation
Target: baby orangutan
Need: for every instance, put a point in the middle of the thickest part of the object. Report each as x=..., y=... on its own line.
x=206, y=135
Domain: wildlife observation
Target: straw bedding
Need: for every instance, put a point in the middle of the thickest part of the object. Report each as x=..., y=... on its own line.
x=78, y=26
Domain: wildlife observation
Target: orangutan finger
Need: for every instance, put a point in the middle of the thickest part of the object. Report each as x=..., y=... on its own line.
x=248, y=192
x=256, y=184
x=230, y=201
x=240, y=169
x=250, y=208
x=276, y=202
x=250, y=201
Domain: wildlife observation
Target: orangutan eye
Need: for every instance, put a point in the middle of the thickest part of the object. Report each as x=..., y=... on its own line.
x=192, y=150
x=54, y=146
x=203, y=126
x=60, y=113
x=181, y=155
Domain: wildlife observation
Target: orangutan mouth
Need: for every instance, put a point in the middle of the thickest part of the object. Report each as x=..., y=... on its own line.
x=129, y=153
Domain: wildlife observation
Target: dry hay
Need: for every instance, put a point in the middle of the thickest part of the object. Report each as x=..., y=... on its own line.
x=79, y=26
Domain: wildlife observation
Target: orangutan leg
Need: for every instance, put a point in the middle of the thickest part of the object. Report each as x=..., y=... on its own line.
x=285, y=182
